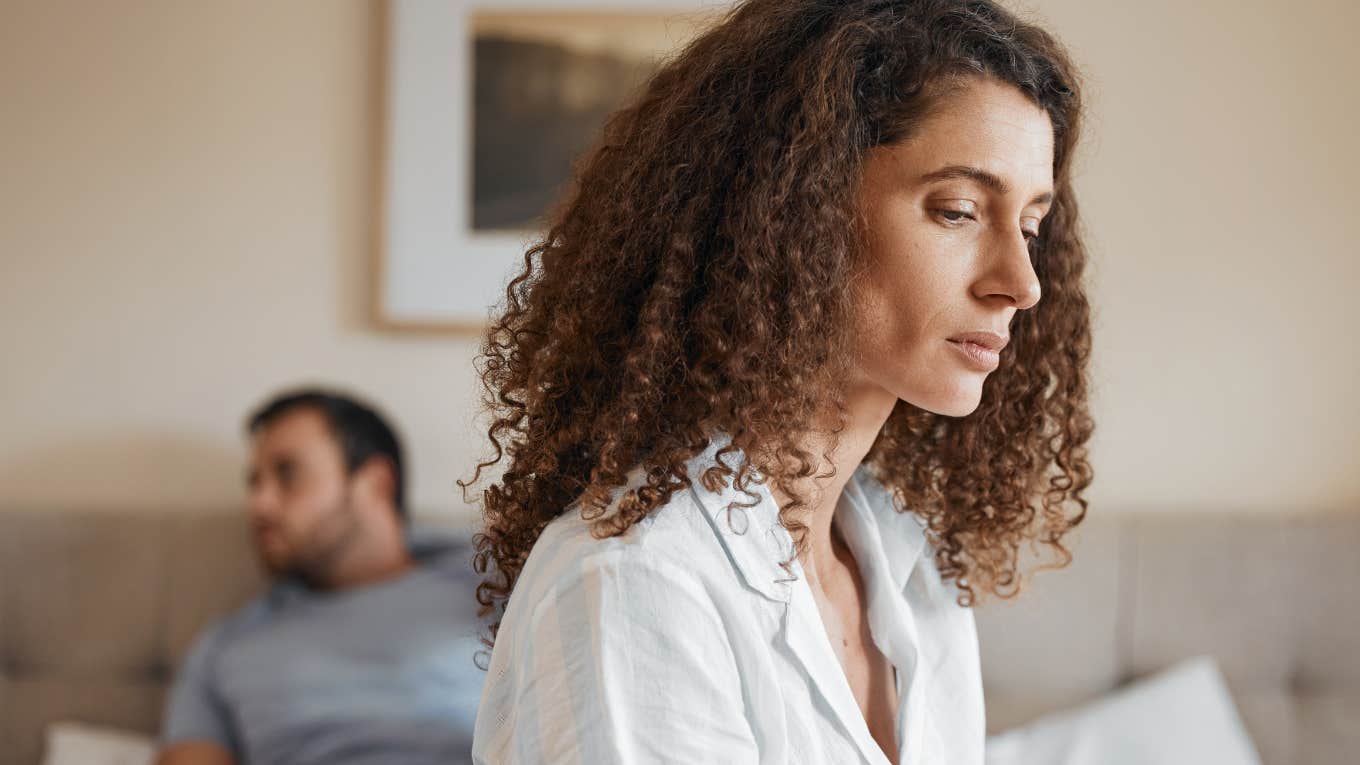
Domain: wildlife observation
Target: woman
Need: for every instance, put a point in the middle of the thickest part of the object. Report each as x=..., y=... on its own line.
x=798, y=366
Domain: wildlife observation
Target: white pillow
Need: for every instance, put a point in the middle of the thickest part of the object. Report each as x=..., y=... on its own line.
x=73, y=743
x=1183, y=714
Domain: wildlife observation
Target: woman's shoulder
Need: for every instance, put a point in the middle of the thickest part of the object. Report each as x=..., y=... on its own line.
x=673, y=547
x=596, y=623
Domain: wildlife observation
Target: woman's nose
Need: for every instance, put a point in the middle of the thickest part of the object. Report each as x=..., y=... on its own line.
x=1010, y=272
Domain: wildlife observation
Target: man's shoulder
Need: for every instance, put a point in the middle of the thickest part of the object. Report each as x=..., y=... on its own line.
x=257, y=611
x=441, y=548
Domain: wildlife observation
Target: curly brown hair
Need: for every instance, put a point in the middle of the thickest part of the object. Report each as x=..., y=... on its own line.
x=699, y=276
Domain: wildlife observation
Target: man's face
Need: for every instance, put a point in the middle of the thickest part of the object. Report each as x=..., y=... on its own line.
x=299, y=495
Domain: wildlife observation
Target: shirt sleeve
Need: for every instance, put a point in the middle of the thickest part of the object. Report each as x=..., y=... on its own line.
x=196, y=711
x=621, y=662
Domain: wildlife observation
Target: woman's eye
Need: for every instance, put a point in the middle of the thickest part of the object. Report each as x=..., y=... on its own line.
x=956, y=216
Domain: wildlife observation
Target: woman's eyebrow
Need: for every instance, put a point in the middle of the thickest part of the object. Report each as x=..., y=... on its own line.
x=991, y=181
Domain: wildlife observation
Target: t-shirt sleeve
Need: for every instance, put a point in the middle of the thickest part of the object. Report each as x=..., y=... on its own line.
x=196, y=711
x=620, y=662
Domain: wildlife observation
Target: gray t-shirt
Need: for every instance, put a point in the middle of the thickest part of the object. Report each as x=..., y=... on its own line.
x=382, y=673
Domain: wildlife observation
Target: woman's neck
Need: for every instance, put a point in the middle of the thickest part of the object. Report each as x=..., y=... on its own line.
x=868, y=407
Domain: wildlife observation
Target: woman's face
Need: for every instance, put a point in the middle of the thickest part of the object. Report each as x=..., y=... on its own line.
x=949, y=214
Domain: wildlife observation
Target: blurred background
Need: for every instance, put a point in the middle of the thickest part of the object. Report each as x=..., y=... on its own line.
x=192, y=205
x=191, y=208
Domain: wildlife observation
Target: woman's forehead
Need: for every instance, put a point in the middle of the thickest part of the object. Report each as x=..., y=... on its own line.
x=986, y=125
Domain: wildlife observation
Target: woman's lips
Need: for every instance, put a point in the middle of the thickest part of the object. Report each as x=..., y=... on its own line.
x=977, y=356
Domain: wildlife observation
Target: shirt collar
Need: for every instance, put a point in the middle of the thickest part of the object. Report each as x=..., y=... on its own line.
x=756, y=542
x=901, y=533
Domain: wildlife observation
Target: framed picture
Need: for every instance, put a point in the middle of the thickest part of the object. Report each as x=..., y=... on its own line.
x=487, y=107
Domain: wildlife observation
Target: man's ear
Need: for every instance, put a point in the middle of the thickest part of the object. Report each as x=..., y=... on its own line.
x=377, y=479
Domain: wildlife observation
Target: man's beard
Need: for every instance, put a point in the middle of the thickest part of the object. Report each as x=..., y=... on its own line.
x=315, y=557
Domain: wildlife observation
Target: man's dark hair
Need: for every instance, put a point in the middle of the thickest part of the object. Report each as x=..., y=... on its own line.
x=358, y=428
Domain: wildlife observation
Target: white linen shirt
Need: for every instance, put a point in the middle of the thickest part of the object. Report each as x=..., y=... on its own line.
x=684, y=641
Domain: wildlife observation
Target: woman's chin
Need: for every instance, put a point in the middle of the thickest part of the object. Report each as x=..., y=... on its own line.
x=959, y=402
x=961, y=410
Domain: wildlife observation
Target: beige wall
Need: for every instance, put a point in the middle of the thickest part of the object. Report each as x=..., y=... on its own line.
x=188, y=200
x=1219, y=192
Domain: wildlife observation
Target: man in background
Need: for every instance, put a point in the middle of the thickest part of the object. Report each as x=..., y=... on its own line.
x=362, y=651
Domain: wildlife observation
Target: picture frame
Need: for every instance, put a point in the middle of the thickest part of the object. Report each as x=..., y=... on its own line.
x=432, y=270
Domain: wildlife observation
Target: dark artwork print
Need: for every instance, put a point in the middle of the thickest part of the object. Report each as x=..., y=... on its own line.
x=538, y=103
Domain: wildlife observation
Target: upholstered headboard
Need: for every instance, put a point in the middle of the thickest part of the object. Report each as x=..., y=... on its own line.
x=97, y=610
x=1275, y=599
